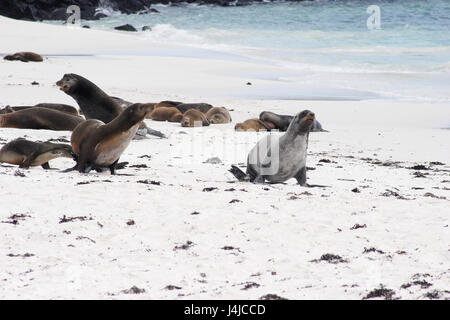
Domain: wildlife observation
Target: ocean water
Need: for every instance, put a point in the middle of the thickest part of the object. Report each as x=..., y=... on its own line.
x=325, y=49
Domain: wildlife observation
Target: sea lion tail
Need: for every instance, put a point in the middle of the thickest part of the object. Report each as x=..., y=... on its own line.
x=238, y=173
x=156, y=133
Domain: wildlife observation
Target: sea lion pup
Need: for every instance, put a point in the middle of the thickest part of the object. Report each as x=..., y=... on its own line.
x=94, y=102
x=282, y=122
x=29, y=154
x=170, y=114
x=254, y=125
x=202, y=107
x=55, y=106
x=40, y=118
x=279, y=159
x=218, y=115
x=194, y=118
x=99, y=145
x=24, y=57
x=167, y=103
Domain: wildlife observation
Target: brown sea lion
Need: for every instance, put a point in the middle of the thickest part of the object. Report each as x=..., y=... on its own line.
x=55, y=106
x=202, y=107
x=94, y=102
x=194, y=118
x=29, y=153
x=218, y=115
x=99, y=145
x=40, y=118
x=254, y=125
x=24, y=57
x=170, y=114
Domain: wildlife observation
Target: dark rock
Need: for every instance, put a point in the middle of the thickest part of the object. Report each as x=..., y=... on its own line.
x=146, y=28
x=126, y=27
x=36, y=10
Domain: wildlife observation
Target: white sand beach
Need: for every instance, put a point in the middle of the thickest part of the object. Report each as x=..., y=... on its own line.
x=155, y=225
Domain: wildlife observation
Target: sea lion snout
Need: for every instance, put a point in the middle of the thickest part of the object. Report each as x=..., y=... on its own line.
x=310, y=116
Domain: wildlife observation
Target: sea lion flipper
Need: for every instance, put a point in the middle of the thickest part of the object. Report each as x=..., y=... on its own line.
x=46, y=166
x=28, y=160
x=112, y=167
x=238, y=173
x=301, y=177
x=155, y=133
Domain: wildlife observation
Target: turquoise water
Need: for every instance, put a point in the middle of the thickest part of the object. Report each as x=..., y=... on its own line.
x=323, y=44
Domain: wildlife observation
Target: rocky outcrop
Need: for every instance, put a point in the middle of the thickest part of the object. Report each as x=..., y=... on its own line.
x=57, y=9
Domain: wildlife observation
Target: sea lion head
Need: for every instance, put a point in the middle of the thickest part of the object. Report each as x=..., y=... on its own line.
x=62, y=150
x=137, y=112
x=194, y=118
x=302, y=122
x=68, y=82
x=7, y=109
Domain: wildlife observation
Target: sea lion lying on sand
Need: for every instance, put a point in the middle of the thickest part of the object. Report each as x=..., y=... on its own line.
x=254, y=125
x=282, y=122
x=194, y=118
x=29, y=153
x=170, y=114
x=24, y=57
x=218, y=115
x=54, y=106
x=40, y=118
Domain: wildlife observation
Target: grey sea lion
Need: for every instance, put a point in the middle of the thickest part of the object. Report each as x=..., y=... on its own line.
x=282, y=121
x=276, y=159
x=29, y=153
x=94, y=102
x=99, y=145
x=218, y=115
x=40, y=118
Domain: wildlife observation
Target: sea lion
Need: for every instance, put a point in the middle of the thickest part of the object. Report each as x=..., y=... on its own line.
x=122, y=103
x=29, y=153
x=7, y=109
x=279, y=159
x=202, y=107
x=99, y=145
x=125, y=104
x=218, y=115
x=94, y=102
x=254, y=125
x=55, y=106
x=167, y=103
x=194, y=118
x=40, y=118
x=282, y=122
x=24, y=57
x=170, y=114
